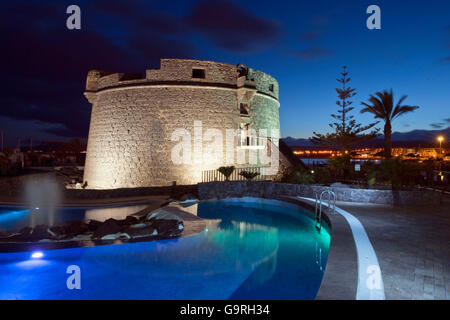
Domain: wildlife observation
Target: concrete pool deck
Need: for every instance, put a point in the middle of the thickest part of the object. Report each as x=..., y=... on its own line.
x=411, y=243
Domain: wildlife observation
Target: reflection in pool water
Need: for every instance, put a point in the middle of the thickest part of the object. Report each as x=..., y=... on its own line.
x=15, y=218
x=247, y=251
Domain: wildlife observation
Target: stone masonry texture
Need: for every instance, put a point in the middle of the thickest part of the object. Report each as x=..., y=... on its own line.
x=134, y=118
x=267, y=189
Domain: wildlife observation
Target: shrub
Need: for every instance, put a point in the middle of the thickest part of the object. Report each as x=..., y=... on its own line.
x=399, y=173
x=390, y=172
x=297, y=175
x=249, y=175
x=226, y=171
x=322, y=175
x=340, y=165
x=369, y=169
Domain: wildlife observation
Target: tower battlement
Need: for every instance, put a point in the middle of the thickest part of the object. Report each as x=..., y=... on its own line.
x=188, y=72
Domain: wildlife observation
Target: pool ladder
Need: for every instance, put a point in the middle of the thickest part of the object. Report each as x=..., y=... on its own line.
x=318, y=206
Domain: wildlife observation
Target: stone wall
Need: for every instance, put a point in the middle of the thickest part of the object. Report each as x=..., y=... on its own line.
x=130, y=136
x=263, y=81
x=265, y=114
x=133, y=120
x=12, y=189
x=229, y=189
x=181, y=70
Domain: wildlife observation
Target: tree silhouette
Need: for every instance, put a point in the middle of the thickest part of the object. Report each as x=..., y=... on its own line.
x=382, y=107
x=346, y=131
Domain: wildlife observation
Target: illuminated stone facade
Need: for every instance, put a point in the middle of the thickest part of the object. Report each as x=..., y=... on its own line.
x=133, y=118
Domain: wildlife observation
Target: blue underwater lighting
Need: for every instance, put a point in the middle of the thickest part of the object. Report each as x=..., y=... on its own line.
x=37, y=255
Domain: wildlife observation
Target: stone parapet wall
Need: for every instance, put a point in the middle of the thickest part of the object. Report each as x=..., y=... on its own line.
x=211, y=190
x=263, y=82
x=180, y=71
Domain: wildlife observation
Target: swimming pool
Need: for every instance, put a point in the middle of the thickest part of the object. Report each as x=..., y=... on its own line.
x=249, y=250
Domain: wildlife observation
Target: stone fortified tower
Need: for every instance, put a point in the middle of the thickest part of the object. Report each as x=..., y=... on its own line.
x=133, y=118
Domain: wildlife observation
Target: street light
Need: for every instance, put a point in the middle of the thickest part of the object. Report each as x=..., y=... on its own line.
x=440, y=139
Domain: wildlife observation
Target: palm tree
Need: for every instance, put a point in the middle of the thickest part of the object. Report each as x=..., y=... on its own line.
x=383, y=108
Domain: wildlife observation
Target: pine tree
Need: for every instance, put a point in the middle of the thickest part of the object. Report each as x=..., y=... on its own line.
x=346, y=131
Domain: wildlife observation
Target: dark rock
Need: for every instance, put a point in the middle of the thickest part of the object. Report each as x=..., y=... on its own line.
x=112, y=220
x=9, y=235
x=142, y=218
x=129, y=220
x=169, y=228
x=94, y=225
x=37, y=233
x=26, y=231
x=141, y=230
x=58, y=231
x=187, y=196
x=76, y=227
x=110, y=226
x=166, y=222
x=163, y=214
x=40, y=232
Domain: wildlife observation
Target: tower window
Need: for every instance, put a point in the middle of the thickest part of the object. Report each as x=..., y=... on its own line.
x=198, y=73
x=271, y=87
x=244, y=109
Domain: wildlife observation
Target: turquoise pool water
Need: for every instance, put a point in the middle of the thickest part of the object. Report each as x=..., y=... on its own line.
x=247, y=251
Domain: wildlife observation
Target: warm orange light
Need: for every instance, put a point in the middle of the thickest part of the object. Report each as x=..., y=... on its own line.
x=440, y=138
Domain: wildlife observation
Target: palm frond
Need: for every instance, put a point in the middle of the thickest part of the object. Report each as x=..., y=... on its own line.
x=371, y=109
x=400, y=110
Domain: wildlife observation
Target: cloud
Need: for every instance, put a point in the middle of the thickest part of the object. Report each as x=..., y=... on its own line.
x=162, y=23
x=313, y=53
x=437, y=125
x=447, y=120
x=117, y=8
x=46, y=68
x=231, y=27
x=152, y=46
x=447, y=45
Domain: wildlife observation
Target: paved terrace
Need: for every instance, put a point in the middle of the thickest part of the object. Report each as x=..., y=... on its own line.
x=412, y=244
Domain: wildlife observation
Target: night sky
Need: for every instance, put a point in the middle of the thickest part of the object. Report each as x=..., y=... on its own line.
x=303, y=44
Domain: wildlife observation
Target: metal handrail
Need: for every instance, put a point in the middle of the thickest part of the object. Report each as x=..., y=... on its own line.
x=318, y=205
